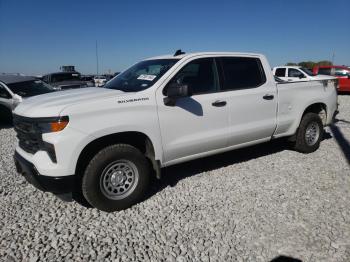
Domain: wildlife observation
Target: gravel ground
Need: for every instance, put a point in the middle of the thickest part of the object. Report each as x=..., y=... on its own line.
x=253, y=204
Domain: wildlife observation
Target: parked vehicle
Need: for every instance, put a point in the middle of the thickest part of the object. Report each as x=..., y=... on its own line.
x=106, y=143
x=340, y=72
x=296, y=73
x=15, y=88
x=66, y=80
x=89, y=79
x=100, y=80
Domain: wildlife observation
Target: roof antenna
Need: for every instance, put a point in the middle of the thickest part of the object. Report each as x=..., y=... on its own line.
x=179, y=52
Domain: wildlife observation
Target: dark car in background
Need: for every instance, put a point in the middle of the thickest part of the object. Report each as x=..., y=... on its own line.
x=66, y=80
x=89, y=79
x=15, y=88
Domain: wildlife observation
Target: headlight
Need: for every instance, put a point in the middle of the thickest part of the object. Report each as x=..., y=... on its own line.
x=55, y=124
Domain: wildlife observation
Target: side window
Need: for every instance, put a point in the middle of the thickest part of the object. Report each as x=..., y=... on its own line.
x=280, y=72
x=294, y=73
x=242, y=72
x=324, y=71
x=200, y=75
x=4, y=93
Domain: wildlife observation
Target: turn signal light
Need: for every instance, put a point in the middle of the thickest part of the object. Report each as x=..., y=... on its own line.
x=52, y=124
x=58, y=126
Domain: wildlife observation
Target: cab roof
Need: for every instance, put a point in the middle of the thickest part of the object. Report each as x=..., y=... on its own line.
x=187, y=55
x=288, y=67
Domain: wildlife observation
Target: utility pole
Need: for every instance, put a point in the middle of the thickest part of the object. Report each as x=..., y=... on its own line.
x=96, y=58
x=333, y=56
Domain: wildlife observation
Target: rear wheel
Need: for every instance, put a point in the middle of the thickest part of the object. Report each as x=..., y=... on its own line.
x=116, y=178
x=309, y=134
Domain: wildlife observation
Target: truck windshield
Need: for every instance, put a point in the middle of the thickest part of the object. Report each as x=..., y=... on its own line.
x=307, y=71
x=141, y=76
x=30, y=88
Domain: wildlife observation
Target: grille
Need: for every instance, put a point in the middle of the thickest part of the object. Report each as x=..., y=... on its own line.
x=28, y=135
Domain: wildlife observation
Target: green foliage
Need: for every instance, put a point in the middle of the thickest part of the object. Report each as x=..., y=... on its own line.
x=307, y=64
x=325, y=63
x=291, y=64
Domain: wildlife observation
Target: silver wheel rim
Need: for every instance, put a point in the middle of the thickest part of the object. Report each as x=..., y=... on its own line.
x=312, y=133
x=119, y=179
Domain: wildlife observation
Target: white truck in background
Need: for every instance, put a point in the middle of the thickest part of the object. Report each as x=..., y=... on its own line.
x=103, y=145
x=296, y=74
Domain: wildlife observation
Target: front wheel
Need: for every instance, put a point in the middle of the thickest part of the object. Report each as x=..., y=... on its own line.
x=116, y=178
x=309, y=134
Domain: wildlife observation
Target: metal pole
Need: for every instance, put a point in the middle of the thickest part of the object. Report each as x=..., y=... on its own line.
x=96, y=58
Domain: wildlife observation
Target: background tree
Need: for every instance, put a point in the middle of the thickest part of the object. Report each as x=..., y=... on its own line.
x=307, y=64
x=325, y=63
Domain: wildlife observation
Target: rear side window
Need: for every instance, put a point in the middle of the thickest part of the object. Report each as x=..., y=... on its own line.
x=324, y=71
x=280, y=72
x=242, y=72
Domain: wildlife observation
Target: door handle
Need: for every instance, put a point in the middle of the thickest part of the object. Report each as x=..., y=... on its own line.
x=219, y=103
x=268, y=97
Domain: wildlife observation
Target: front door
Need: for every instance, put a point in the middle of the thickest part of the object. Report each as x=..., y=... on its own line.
x=196, y=124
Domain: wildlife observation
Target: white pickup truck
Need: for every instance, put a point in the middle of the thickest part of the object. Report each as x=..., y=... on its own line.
x=104, y=144
x=296, y=74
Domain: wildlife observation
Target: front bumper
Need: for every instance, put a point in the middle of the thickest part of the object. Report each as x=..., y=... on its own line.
x=56, y=185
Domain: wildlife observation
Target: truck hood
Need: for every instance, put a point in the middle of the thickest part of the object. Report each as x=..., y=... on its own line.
x=52, y=104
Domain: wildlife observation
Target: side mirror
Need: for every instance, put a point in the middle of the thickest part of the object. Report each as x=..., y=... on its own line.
x=176, y=91
x=302, y=76
x=17, y=97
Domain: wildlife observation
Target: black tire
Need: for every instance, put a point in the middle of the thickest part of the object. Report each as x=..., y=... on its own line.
x=301, y=144
x=78, y=196
x=99, y=192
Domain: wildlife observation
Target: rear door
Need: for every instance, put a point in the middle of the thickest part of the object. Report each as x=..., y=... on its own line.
x=252, y=99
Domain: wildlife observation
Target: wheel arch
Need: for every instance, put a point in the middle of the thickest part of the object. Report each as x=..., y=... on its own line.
x=134, y=138
x=317, y=108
